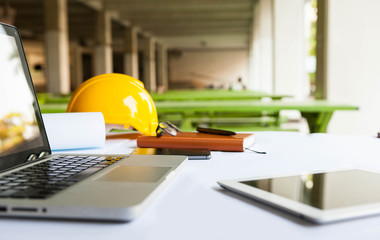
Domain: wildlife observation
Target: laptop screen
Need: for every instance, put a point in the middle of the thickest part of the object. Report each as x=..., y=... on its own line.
x=22, y=135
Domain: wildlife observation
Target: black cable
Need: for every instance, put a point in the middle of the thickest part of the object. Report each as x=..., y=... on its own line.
x=258, y=152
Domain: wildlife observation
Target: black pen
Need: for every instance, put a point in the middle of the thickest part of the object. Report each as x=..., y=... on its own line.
x=215, y=131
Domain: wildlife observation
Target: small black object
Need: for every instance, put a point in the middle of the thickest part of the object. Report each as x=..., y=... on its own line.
x=215, y=131
x=192, y=153
x=253, y=150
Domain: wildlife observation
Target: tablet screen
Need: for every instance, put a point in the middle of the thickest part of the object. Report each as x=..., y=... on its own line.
x=325, y=190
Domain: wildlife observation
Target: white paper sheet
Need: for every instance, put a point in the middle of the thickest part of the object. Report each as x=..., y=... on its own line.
x=75, y=130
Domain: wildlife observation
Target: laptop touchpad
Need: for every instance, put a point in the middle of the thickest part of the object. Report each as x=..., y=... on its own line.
x=134, y=174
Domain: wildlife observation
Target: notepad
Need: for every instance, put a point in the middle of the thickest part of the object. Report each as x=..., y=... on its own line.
x=235, y=143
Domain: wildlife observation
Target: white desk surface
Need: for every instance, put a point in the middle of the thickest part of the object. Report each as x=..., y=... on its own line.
x=195, y=207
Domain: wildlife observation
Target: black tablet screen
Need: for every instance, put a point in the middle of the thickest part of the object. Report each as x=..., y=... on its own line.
x=325, y=190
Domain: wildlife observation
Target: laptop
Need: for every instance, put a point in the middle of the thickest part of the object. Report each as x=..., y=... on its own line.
x=36, y=183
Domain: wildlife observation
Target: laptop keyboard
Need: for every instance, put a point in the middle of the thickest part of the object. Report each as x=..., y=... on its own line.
x=47, y=178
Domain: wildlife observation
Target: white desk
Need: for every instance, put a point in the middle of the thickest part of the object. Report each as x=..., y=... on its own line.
x=194, y=207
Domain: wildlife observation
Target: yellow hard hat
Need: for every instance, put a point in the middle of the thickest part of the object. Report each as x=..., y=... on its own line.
x=122, y=100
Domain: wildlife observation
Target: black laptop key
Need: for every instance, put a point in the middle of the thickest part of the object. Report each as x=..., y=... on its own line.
x=2, y=188
x=20, y=180
x=7, y=193
x=24, y=193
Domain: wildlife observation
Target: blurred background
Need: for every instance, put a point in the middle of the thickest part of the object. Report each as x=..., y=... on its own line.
x=302, y=51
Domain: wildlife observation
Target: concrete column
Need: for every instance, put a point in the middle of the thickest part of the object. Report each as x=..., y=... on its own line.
x=162, y=67
x=322, y=60
x=131, y=66
x=77, y=64
x=352, y=70
x=261, y=76
x=277, y=49
x=57, y=46
x=103, y=48
x=148, y=46
x=289, y=49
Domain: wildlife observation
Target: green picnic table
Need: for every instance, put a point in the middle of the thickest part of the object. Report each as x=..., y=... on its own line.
x=317, y=113
x=215, y=94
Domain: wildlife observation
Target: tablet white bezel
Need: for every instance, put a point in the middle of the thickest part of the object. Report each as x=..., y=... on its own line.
x=296, y=208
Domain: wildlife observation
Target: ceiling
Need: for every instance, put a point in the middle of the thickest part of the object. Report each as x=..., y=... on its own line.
x=193, y=24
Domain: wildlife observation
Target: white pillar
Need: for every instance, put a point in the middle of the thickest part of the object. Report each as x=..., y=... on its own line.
x=57, y=46
x=289, y=49
x=131, y=66
x=148, y=46
x=162, y=67
x=103, y=48
x=353, y=73
x=277, y=48
x=261, y=48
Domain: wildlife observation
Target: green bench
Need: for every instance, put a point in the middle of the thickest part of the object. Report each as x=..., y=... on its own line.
x=317, y=113
x=214, y=94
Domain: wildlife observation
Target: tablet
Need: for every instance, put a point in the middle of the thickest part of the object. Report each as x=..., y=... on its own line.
x=319, y=197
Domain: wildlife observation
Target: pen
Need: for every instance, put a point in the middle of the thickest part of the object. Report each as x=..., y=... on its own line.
x=215, y=131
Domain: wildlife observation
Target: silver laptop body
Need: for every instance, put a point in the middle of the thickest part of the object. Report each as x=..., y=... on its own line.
x=119, y=190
